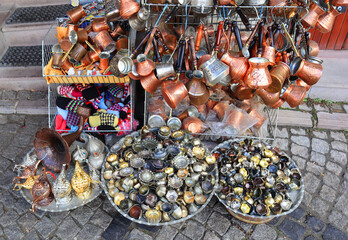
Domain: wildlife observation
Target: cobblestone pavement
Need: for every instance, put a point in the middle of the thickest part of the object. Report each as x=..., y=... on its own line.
x=321, y=156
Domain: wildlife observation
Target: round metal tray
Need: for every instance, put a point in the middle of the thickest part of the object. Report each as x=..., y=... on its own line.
x=75, y=202
x=142, y=220
x=295, y=196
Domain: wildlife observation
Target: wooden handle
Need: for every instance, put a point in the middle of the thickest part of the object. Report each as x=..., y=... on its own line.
x=244, y=18
x=285, y=57
x=149, y=43
x=193, y=53
x=252, y=35
x=288, y=37
x=162, y=40
x=218, y=35
x=182, y=55
x=155, y=49
x=90, y=45
x=237, y=34
x=270, y=35
x=141, y=43
x=199, y=37
x=229, y=31
x=171, y=14
x=206, y=38
x=259, y=46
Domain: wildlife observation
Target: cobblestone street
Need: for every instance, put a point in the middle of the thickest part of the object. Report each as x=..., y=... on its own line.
x=321, y=156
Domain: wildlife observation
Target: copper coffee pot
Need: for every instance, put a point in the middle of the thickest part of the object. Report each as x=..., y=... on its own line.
x=100, y=24
x=105, y=42
x=314, y=12
x=293, y=95
x=238, y=66
x=326, y=21
x=267, y=97
x=308, y=70
x=242, y=92
x=144, y=65
x=269, y=51
x=128, y=8
x=77, y=53
x=279, y=74
x=76, y=14
x=193, y=124
x=343, y=3
x=197, y=90
x=150, y=83
x=220, y=109
x=261, y=119
x=313, y=49
x=173, y=92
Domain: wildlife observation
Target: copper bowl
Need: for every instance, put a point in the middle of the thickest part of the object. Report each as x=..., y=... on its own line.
x=105, y=42
x=100, y=24
x=173, y=92
x=150, y=83
x=193, y=124
x=76, y=14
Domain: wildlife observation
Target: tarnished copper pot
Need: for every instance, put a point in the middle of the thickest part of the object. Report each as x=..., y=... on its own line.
x=193, y=124
x=78, y=53
x=258, y=75
x=314, y=13
x=326, y=21
x=56, y=59
x=86, y=60
x=220, y=109
x=105, y=42
x=279, y=74
x=65, y=65
x=82, y=36
x=104, y=60
x=144, y=65
x=76, y=14
x=313, y=49
x=343, y=3
x=300, y=82
x=261, y=119
x=128, y=8
x=150, y=83
x=93, y=55
x=269, y=53
x=242, y=92
x=267, y=97
x=309, y=72
x=238, y=66
x=197, y=90
x=294, y=95
x=100, y=24
x=173, y=92
x=65, y=44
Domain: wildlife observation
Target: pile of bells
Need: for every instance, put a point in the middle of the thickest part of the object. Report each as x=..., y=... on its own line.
x=256, y=179
x=159, y=175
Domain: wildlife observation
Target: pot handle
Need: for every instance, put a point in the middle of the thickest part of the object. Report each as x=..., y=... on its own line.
x=270, y=34
x=193, y=53
x=244, y=18
x=218, y=35
x=171, y=14
x=182, y=55
x=180, y=49
x=252, y=45
x=206, y=38
x=259, y=46
x=149, y=42
x=237, y=34
x=229, y=31
x=253, y=33
x=155, y=48
x=199, y=37
x=162, y=40
x=285, y=57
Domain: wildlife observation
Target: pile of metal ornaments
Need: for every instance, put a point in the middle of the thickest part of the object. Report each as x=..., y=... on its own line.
x=256, y=180
x=159, y=176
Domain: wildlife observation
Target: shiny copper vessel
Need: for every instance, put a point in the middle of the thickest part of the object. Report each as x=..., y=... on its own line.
x=193, y=124
x=238, y=66
x=313, y=48
x=261, y=119
x=197, y=90
x=82, y=36
x=278, y=103
x=94, y=56
x=234, y=119
x=144, y=65
x=122, y=43
x=105, y=42
x=279, y=74
x=100, y=24
x=220, y=109
x=173, y=92
x=128, y=8
x=242, y=92
x=294, y=95
x=258, y=75
x=300, y=82
x=314, y=13
x=269, y=53
x=267, y=97
x=308, y=71
x=343, y=3
x=66, y=65
x=76, y=14
x=77, y=53
x=150, y=83
x=326, y=21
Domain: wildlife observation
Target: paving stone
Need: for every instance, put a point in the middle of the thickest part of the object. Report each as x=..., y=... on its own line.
x=101, y=219
x=338, y=157
x=27, y=221
x=8, y=201
x=333, y=167
x=305, y=107
x=203, y=216
x=282, y=133
x=314, y=223
x=245, y=226
x=318, y=158
x=26, y=107
x=82, y=214
x=153, y=229
x=314, y=168
x=23, y=95
x=320, y=207
x=233, y=234
x=5, y=140
x=3, y=119
x=345, y=108
x=4, y=164
x=12, y=127
x=45, y=227
x=312, y=183
x=109, y=208
x=298, y=213
x=32, y=235
x=263, y=231
x=281, y=143
x=299, y=150
x=300, y=162
x=340, y=146
x=220, y=208
x=294, y=118
x=321, y=108
x=90, y=232
x=338, y=219
x=68, y=229
x=292, y=229
x=310, y=237
x=275, y=221
x=37, y=95
x=8, y=95
x=39, y=213
x=342, y=203
x=219, y=223
x=320, y=134
x=213, y=201
x=21, y=205
x=328, y=193
x=298, y=131
x=13, y=232
x=307, y=198
x=95, y=203
x=332, y=180
x=8, y=217
x=320, y=146
x=136, y=234
x=11, y=152
x=180, y=237
x=334, y=121
x=58, y=217
x=339, y=136
x=116, y=230
x=194, y=230
x=179, y=225
x=332, y=233
x=167, y=233
x=123, y=220
x=301, y=140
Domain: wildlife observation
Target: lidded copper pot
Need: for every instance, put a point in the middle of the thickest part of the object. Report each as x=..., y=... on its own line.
x=105, y=42
x=76, y=14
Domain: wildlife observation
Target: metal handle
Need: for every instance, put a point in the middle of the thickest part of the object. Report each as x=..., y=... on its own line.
x=156, y=51
x=149, y=43
x=237, y=34
x=288, y=37
x=199, y=37
x=142, y=43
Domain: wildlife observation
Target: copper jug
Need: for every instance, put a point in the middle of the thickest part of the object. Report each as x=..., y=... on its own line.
x=314, y=12
x=42, y=191
x=238, y=65
x=76, y=14
x=197, y=90
x=128, y=8
x=300, y=82
x=293, y=95
x=173, y=92
x=267, y=97
x=308, y=71
x=343, y=3
x=258, y=75
x=326, y=21
x=150, y=83
x=279, y=74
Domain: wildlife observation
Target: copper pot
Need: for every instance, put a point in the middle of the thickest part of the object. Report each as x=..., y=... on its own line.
x=294, y=95
x=144, y=65
x=238, y=65
x=278, y=3
x=56, y=58
x=203, y=59
x=70, y=28
x=86, y=60
x=100, y=24
x=220, y=109
x=65, y=65
x=308, y=71
x=326, y=21
x=77, y=53
x=193, y=124
x=242, y=92
x=267, y=97
x=122, y=43
x=300, y=82
x=173, y=92
x=191, y=111
x=170, y=41
x=42, y=191
x=279, y=74
x=313, y=49
x=82, y=36
x=269, y=53
x=261, y=119
x=343, y=3
x=117, y=32
x=76, y=14
x=258, y=75
x=233, y=120
x=94, y=56
x=133, y=74
x=312, y=17
x=197, y=90
x=65, y=44
x=128, y=8
x=278, y=103
x=150, y=83
x=104, y=60
x=105, y=42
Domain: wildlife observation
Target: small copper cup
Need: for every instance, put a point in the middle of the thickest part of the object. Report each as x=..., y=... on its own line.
x=170, y=41
x=193, y=124
x=94, y=56
x=122, y=43
x=220, y=109
x=100, y=24
x=66, y=65
x=279, y=74
x=269, y=53
x=105, y=42
x=65, y=44
x=144, y=65
x=150, y=83
x=313, y=49
x=104, y=60
x=77, y=53
x=294, y=95
x=56, y=60
x=173, y=92
x=261, y=119
x=82, y=36
x=76, y=14
x=86, y=60
x=308, y=71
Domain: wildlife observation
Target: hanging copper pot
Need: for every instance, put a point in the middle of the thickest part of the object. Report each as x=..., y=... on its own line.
x=238, y=65
x=112, y=10
x=258, y=75
x=261, y=119
x=164, y=71
x=100, y=24
x=343, y=3
x=314, y=12
x=150, y=83
x=70, y=28
x=279, y=74
x=42, y=191
x=105, y=42
x=278, y=103
x=193, y=124
x=170, y=40
x=144, y=65
x=313, y=48
x=76, y=14
x=215, y=72
x=267, y=97
x=294, y=95
x=220, y=109
x=269, y=53
x=128, y=8
x=326, y=21
x=300, y=82
x=173, y=92
x=308, y=71
x=242, y=92
x=197, y=90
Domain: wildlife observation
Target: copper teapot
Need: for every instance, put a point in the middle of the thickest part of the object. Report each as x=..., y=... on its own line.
x=42, y=191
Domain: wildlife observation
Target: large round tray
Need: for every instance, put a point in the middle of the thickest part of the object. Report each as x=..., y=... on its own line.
x=75, y=202
x=295, y=196
x=142, y=220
